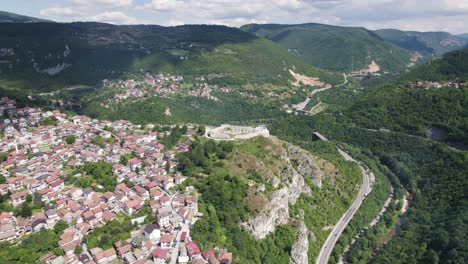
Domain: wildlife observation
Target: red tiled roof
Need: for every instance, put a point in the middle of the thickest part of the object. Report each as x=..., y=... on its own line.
x=160, y=253
x=192, y=248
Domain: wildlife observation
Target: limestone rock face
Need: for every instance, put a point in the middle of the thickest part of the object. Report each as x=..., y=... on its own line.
x=301, y=246
x=276, y=212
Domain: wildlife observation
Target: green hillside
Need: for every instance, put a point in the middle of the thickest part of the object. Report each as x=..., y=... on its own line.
x=416, y=110
x=50, y=56
x=334, y=48
x=436, y=43
x=452, y=66
x=15, y=18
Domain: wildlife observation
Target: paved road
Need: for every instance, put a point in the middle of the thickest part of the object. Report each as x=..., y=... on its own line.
x=302, y=105
x=327, y=248
x=175, y=250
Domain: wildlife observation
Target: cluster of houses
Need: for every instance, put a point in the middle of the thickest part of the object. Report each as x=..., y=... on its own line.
x=204, y=90
x=40, y=158
x=437, y=85
x=161, y=84
x=164, y=85
x=13, y=116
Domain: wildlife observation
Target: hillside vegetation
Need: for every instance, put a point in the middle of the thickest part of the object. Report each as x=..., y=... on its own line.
x=416, y=110
x=450, y=67
x=436, y=43
x=50, y=56
x=334, y=48
x=433, y=173
x=229, y=177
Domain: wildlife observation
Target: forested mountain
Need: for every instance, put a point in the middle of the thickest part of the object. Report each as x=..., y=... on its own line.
x=334, y=48
x=451, y=66
x=48, y=56
x=464, y=35
x=436, y=43
x=15, y=18
x=417, y=110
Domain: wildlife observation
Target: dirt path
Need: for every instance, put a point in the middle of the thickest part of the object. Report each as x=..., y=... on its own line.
x=66, y=89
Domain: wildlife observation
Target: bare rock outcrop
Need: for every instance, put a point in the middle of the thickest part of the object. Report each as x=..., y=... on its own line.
x=300, y=164
x=301, y=246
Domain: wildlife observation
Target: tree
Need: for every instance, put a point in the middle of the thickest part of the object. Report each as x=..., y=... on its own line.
x=29, y=198
x=70, y=139
x=201, y=130
x=25, y=211
x=78, y=249
x=60, y=226
x=2, y=179
x=184, y=129
x=49, y=121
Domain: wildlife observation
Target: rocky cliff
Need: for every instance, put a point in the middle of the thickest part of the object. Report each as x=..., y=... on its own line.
x=300, y=248
x=299, y=164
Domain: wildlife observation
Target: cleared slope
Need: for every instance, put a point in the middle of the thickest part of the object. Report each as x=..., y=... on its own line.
x=334, y=48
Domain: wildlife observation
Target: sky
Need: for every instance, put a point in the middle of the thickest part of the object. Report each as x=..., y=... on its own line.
x=420, y=15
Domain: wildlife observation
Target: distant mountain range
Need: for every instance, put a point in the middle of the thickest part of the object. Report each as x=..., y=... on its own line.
x=465, y=35
x=6, y=17
x=436, y=43
x=334, y=48
x=49, y=56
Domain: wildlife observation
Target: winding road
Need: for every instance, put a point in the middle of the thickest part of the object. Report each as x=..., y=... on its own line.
x=365, y=189
x=302, y=105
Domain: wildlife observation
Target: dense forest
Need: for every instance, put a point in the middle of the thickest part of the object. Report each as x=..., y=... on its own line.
x=414, y=111
x=432, y=172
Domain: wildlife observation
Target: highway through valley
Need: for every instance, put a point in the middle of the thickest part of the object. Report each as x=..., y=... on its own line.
x=365, y=189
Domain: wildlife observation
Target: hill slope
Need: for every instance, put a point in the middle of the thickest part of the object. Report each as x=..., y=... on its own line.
x=334, y=48
x=7, y=17
x=452, y=66
x=419, y=111
x=465, y=35
x=47, y=56
x=436, y=43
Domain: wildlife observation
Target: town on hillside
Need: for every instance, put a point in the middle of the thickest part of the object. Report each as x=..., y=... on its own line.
x=164, y=85
x=437, y=85
x=85, y=177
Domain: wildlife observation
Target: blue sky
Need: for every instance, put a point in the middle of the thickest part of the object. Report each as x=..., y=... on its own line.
x=421, y=15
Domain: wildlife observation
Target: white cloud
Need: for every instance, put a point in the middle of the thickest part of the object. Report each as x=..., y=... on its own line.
x=451, y=15
x=162, y=5
x=289, y=4
x=112, y=3
x=114, y=18
x=59, y=12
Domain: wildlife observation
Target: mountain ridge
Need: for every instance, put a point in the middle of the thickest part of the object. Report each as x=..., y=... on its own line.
x=333, y=47
x=436, y=43
x=7, y=17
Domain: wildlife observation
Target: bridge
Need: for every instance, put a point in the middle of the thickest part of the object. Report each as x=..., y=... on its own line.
x=319, y=136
